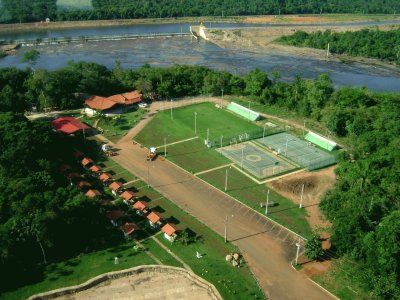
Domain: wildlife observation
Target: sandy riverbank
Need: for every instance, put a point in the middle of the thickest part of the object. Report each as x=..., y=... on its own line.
x=262, y=40
x=272, y=19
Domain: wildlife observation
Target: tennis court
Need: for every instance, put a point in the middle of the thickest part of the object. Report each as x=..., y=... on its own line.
x=299, y=151
x=255, y=160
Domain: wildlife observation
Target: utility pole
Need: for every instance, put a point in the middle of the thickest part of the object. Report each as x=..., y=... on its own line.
x=327, y=51
x=266, y=205
x=298, y=245
x=222, y=96
x=226, y=179
x=301, y=196
x=221, y=141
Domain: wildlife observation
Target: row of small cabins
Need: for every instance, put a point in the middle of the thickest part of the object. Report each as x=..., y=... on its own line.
x=117, y=188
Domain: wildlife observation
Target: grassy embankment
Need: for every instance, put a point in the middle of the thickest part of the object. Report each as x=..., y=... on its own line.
x=194, y=156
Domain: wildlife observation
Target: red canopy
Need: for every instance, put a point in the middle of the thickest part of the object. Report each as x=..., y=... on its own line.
x=68, y=125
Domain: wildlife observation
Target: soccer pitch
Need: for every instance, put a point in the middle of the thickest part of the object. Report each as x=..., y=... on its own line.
x=190, y=121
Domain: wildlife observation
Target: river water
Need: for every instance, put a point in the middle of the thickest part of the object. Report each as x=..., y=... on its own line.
x=185, y=50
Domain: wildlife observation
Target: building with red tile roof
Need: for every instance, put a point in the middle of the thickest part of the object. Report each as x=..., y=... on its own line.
x=86, y=161
x=129, y=228
x=114, y=215
x=69, y=125
x=111, y=105
x=154, y=217
x=93, y=193
x=116, y=185
x=169, y=230
x=73, y=175
x=105, y=177
x=140, y=205
x=95, y=169
x=127, y=195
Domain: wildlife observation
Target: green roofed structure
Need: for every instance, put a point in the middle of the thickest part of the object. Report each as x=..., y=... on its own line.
x=244, y=112
x=320, y=141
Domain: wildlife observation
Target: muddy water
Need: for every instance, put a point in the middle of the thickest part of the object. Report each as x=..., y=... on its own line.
x=184, y=50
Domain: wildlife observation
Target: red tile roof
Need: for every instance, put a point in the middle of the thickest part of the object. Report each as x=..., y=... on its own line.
x=85, y=161
x=68, y=125
x=93, y=193
x=82, y=184
x=115, y=214
x=127, y=195
x=129, y=228
x=140, y=205
x=95, y=168
x=116, y=185
x=105, y=177
x=169, y=229
x=100, y=103
x=154, y=217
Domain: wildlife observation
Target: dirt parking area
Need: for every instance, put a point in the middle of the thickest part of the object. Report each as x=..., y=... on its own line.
x=146, y=285
x=316, y=184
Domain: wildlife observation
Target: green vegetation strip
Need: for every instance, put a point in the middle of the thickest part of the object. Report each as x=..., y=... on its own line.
x=160, y=253
x=252, y=194
x=83, y=267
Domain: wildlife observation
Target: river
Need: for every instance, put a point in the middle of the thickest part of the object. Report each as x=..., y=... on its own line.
x=185, y=50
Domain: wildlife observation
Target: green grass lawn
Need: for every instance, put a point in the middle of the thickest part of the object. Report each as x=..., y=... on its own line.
x=116, y=128
x=81, y=268
x=160, y=253
x=250, y=193
x=194, y=156
x=76, y=4
x=218, y=121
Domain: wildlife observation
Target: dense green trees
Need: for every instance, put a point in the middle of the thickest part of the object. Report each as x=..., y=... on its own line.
x=38, y=10
x=379, y=44
x=42, y=217
x=363, y=206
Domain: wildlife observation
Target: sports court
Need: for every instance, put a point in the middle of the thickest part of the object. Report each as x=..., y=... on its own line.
x=299, y=151
x=255, y=160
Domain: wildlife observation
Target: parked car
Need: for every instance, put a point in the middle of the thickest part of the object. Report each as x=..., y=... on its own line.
x=143, y=105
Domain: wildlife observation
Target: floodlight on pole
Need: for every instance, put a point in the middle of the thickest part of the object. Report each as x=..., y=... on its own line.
x=266, y=204
x=301, y=196
x=298, y=245
x=226, y=179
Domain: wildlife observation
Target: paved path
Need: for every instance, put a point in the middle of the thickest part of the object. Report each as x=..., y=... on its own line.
x=266, y=246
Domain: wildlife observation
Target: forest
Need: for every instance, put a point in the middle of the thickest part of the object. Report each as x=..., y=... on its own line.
x=37, y=204
x=383, y=45
x=37, y=10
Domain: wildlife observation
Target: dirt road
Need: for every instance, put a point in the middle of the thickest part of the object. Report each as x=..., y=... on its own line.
x=267, y=247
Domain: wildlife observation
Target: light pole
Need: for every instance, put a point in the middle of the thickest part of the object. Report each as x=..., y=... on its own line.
x=222, y=96
x=221, y=141
x=301, y=196
x=266, y=205
x=249, y=111
x=226, y=179
x=195, y=122
x=226, y=228
x=264, y=131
